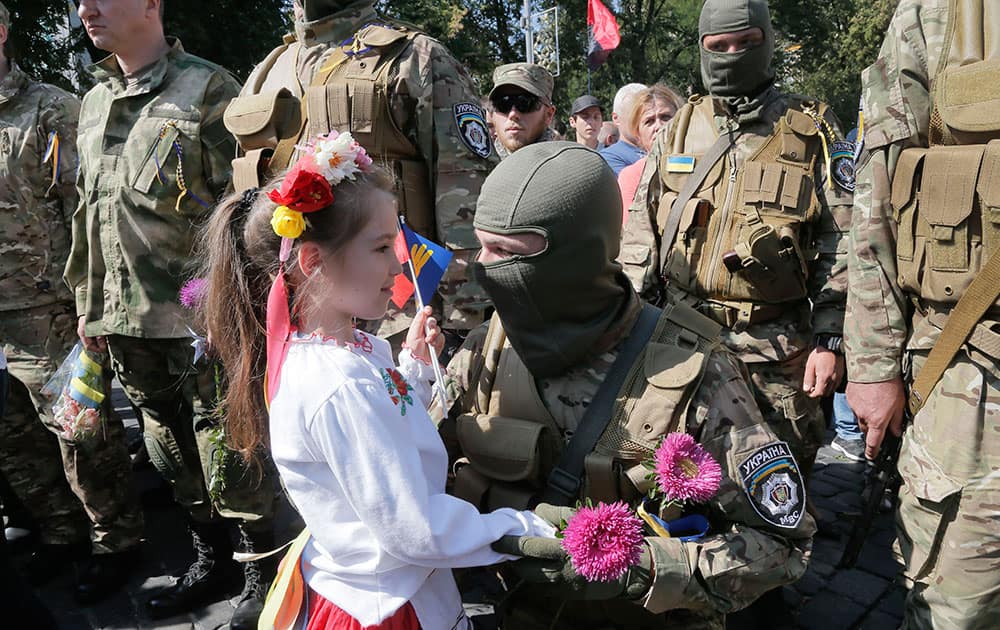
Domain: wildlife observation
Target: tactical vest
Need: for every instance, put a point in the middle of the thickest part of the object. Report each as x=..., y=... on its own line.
x=946, y=198
x=349, y=91
x=510, y=441
x=744, y=239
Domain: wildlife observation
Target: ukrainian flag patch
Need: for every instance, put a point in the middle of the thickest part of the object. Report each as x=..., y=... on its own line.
x=680, y=163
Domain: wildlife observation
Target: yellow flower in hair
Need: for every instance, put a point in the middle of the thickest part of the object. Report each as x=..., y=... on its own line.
x=287, y=223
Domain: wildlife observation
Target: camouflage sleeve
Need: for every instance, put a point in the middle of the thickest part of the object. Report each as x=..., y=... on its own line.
x=453, y=140
x=61, y=116
x=828, y=271
x=218, y=145
x=461, y=373
x=896, y=105
x=77, y=264
x=640, y=253
x=745, y=554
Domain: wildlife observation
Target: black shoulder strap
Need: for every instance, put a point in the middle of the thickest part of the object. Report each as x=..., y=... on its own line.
x=564, y=480
x=694, y=180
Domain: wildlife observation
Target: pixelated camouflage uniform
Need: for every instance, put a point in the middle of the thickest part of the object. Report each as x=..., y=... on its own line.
x=133, y=237
x=425, y=83
x=775, y=350
x=695, y=584
x=947, y=522
x=37, y=330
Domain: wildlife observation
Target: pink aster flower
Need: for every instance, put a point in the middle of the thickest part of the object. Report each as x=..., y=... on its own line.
x=603, y=541
x=685, y=470
x=193, y=292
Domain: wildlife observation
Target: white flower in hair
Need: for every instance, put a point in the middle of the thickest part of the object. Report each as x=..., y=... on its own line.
x=336, y=156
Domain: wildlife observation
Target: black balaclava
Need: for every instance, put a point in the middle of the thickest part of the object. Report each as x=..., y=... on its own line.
x=571, y=300
x=736, y=77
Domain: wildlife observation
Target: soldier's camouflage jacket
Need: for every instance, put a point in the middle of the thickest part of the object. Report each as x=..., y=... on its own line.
x=824, y=241
x=154, y=158
x=897, y=95
x=433, y=103
x=696, y=583
x=37, y=197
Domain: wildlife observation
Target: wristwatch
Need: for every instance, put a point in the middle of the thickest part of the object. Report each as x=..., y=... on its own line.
x=830, y=342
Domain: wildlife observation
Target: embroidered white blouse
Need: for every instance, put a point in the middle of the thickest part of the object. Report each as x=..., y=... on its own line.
x=365, y=467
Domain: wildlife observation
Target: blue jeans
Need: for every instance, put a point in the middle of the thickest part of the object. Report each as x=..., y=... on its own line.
x=844, y=422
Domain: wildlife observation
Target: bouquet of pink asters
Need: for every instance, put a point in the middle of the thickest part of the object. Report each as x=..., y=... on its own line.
x=78, y=390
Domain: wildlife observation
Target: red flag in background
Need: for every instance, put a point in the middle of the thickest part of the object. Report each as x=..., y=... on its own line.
x=602, y=32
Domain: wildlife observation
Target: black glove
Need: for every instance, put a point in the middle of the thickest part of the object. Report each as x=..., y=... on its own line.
x=547, y=568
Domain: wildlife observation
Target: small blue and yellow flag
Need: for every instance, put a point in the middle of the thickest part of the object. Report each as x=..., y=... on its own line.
x=427, y=260
x=680, y=163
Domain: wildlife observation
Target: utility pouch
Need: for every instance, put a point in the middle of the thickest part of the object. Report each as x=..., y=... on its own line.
x=260, y=121
x=507, y=449
x=970, y=97
x=905, y=189
x=770, y=260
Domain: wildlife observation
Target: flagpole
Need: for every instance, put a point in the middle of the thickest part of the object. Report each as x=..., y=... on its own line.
x=435, y=364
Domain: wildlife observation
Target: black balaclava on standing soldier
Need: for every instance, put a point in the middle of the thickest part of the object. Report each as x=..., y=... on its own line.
x=571, y=301
x=736, y=78
x=319, y=9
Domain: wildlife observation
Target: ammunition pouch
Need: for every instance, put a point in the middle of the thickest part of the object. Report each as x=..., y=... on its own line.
x=738, y=315
x=508, y=449
x=946, y=202
x=260, y=121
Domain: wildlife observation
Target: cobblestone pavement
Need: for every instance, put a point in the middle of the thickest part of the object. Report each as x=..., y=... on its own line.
x=869, y=596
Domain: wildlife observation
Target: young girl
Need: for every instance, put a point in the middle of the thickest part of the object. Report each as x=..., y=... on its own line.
x=349, y=432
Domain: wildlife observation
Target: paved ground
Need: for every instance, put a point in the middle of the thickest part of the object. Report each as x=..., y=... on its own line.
x=866, y=597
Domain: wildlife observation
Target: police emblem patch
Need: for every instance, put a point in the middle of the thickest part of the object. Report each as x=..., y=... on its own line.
x=772, y=481
x=842, y=164
x=471, y=123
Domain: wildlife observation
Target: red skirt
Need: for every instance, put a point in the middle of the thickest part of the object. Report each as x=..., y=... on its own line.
x=324, y=615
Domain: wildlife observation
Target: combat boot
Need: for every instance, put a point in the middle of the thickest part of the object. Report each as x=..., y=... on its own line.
x=105, y=575
x=208, y=579
x=257, y=577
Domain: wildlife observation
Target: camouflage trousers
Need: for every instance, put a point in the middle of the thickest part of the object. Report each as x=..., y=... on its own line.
x=38, y=465
x=793, y=416
x=177, y=400
x=948, y=522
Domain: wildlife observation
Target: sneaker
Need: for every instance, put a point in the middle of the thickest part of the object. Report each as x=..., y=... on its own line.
x=853, y=450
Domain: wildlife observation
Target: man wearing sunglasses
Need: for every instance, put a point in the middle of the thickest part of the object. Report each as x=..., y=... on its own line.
x=521, y=107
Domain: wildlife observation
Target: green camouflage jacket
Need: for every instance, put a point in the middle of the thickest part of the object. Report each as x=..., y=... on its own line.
x=154, y=158
x=427, y=85
x=787, y=335
x=897, y=106
x=36, y=199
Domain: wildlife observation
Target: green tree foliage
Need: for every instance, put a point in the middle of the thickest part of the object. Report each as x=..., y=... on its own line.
x=233, y=33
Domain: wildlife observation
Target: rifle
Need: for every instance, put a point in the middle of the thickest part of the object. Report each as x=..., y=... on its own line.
x=884, y=474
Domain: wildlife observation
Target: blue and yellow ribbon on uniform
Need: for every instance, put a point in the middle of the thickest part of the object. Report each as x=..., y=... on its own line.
x=53, y=153
x=179, y=152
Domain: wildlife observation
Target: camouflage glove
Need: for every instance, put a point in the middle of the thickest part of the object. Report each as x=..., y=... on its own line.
x=556, y=515
x=546, y=568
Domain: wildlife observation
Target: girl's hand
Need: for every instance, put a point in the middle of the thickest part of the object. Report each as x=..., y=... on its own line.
x=424, y=334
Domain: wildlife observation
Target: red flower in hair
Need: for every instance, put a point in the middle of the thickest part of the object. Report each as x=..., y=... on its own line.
x=303, y=189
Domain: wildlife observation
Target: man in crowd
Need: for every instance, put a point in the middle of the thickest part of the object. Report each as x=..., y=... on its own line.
x=423, y=119
x=756, y=240
x=38, y=125
x=926, y=235
x=608, y=135
x=528, y=389
x=154, y=157
x=521, y=106
x=586, y=118
x=626, y=150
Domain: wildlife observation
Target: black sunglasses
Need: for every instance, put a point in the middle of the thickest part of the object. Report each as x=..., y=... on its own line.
x=525, y=103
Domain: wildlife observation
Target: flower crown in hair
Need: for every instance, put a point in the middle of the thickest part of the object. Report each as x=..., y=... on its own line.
x=308, y=186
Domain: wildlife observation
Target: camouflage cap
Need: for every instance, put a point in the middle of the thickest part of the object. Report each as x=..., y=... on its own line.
x=4, y=15
x=527, y=76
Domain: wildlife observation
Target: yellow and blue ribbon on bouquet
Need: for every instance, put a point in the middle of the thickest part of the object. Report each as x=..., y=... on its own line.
x=87, y=384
